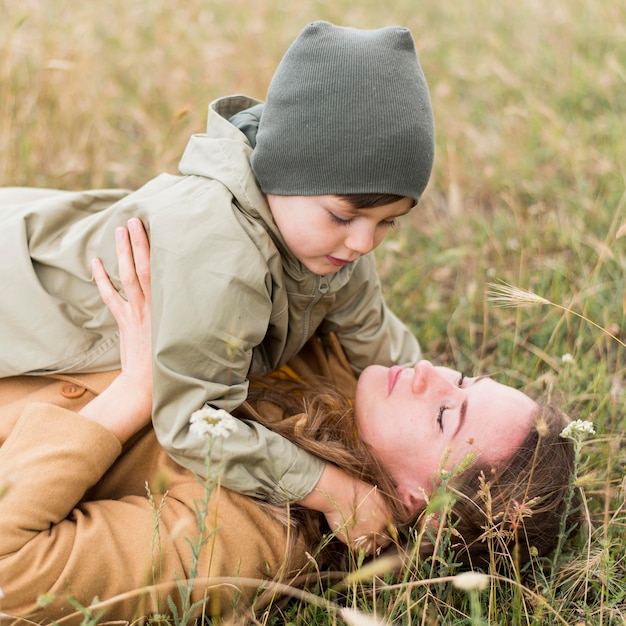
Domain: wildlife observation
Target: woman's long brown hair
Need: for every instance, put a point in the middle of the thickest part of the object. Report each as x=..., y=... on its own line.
x=521, y=502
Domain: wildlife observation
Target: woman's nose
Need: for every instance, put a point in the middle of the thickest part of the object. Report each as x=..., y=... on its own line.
x=423, y=372
x=426, y=377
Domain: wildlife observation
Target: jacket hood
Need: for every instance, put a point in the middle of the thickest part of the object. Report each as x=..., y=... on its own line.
x=223, y=154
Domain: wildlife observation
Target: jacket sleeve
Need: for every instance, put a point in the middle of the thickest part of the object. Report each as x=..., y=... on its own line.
x=212, y=306
x=368, y=331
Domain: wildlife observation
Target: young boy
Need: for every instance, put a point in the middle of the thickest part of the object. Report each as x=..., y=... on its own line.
x=264, y=239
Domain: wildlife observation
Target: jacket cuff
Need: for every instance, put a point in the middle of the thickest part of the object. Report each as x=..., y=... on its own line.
x=299, y=479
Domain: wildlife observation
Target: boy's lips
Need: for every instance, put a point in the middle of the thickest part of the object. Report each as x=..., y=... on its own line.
x=337, y=262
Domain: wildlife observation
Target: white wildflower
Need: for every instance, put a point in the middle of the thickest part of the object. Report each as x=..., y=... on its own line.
x=577, y=428
x=471, y=581
x=567, y=358
x=356, y=618
x=211, y=422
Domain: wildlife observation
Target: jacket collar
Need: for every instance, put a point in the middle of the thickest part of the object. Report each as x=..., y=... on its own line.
x=223, y=154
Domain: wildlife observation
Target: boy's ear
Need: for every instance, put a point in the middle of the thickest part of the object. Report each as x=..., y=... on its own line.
x=413, y=497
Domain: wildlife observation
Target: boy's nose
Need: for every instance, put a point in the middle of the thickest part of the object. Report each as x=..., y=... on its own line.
x=361, y=238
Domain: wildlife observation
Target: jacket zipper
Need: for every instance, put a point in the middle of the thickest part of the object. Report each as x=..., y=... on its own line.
x=321, y=289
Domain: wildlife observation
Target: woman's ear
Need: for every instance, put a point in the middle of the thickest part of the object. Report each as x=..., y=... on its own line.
x=414, y=498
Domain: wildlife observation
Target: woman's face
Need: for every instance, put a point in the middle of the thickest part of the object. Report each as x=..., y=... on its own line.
x=423, y=419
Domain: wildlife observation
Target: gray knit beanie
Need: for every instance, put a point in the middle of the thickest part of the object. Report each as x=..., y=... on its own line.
x=347, y=112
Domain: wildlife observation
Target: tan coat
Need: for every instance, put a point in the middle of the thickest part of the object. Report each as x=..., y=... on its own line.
x=75, y=519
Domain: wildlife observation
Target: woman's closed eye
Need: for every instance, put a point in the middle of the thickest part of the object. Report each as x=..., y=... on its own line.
x=442, y=410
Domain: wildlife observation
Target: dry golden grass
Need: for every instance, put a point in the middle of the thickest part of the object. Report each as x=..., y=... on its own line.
x=529, y=187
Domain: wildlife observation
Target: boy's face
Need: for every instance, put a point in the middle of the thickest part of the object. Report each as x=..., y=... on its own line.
x=325, y=233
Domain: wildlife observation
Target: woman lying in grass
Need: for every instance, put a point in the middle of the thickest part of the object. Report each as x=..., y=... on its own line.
x=76, y=520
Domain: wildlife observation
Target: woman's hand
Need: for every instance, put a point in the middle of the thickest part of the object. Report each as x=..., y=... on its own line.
x=356, y=511
x=126, y=406
x=132, y=312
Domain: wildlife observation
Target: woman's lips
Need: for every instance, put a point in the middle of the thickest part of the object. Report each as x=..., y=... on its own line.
x=392, y=377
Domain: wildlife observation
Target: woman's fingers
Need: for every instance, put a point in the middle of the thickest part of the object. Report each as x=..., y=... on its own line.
x=133, y=257
x=131, y=306
x=140, y=246
x=131, y=310
x=108, y=293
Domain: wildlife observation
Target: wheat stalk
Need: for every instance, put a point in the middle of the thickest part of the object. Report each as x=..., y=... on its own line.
x=505, y=295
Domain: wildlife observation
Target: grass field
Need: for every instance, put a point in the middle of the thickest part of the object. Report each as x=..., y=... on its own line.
x=528, y=188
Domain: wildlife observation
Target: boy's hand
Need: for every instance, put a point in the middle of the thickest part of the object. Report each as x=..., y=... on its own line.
x=353, y=508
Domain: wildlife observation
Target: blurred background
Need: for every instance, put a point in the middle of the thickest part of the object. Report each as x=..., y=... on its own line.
x=528, y=188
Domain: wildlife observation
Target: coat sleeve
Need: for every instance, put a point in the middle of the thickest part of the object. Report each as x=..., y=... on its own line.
x=49, y=460
x=368, y=331
x=212, y=304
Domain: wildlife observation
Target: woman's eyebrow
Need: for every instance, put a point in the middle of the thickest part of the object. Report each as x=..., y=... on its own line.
x=481, y=377
x=462, y=413
x=463, y=409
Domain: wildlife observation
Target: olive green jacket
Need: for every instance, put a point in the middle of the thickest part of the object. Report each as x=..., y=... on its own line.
x=229, y=298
